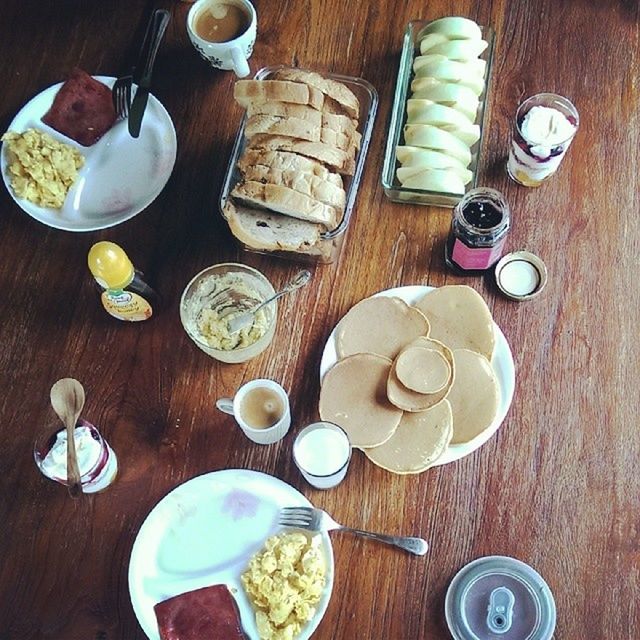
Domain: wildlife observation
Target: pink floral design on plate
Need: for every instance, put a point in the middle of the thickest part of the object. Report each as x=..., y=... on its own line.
x=240, y=504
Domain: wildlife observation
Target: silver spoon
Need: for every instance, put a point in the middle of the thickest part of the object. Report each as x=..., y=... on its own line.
x=246, y=318
x=67, y=400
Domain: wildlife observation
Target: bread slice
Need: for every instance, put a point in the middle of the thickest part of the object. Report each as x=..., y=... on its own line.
x=345, y=141
x=287, y=201
x=305, y=183
x=286, y=161
x=282, y=126
x=268, y=231
x=248, y=92
x=338, y=122
x=335, y=90
x=288, y=109
x=335, y=159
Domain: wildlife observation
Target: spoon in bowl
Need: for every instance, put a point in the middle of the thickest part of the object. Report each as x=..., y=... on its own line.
x=67, y=400
x=246, y=318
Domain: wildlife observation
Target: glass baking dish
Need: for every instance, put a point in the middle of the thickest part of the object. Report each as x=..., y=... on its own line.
x=390, y=183
x=327, y=249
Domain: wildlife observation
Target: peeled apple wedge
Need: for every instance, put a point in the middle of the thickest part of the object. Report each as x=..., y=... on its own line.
x=429, y=158
x=420, y=61
x=435, y=180
x=430, y=137
x=431, y=40
x=468, y=74
x=406, y=173
x=448, y=94
x=426, y=112
x=460, y=50
x=455, y=28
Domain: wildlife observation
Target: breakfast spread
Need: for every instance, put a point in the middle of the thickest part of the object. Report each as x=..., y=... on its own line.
x=404, y=392
x=442, y=111
x=82, y=109
x=284, y=582
x=41, y=169
x=210, y=612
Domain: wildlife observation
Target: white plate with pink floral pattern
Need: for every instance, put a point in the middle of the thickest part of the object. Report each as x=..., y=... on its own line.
x=204, y=532
x=121, y=175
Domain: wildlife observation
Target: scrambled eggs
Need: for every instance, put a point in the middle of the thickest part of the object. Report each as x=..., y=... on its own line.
x=41, y=169
x=284, y=583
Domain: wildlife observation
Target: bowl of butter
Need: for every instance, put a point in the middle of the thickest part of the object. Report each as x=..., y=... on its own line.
x=214, y=297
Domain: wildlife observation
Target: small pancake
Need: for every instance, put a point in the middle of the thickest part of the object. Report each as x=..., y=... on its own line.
x=474, y=396
x=418, y=442
x=354, y=396
x=410, y=400
x=422, y=370
x=460, y=318
x=379, y=325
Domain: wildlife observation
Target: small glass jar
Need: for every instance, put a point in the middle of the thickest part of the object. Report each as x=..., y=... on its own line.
x=478, y=231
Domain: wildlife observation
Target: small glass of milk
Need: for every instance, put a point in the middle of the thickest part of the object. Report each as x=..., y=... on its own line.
x=322, y=452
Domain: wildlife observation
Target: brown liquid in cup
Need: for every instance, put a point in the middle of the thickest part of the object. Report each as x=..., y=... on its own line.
x=261, y=408
x=221, y=22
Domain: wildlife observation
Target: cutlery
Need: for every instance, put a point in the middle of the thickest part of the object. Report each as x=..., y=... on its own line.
x=246, y=318
x=67, y=400
x=121, y=95
x=142, y=75
x=319, y=520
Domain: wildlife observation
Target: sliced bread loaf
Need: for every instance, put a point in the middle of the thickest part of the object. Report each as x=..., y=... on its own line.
x=335, y=90
x=268, y=231
x=287, y=161
x=248, y=92
x=305, y=183
x=287, y=201
x=288, y=109
x=282, y=126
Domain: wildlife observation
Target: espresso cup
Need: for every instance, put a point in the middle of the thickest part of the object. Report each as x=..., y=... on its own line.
x=234, y=22
x=261, y=409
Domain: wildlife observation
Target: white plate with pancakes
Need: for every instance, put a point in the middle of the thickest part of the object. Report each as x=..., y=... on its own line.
x=121, y=175
x=204, y=532
x=501, y=363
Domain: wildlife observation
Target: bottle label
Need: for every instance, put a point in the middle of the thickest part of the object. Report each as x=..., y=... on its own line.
x=126, y=305
x=471, y=258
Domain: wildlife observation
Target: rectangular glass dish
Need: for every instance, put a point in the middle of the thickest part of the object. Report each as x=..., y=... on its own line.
x=327, y=249
x=390, y=183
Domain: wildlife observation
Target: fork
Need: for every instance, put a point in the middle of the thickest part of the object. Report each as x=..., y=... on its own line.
x=319, y=520
x=121, y=95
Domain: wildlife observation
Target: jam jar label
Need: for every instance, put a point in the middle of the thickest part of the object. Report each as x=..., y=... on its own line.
x=476, y=258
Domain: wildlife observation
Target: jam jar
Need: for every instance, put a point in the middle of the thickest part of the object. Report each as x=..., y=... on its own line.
x=478, y=231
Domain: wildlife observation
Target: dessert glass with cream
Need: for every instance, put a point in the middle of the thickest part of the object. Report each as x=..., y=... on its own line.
x=544, y=128
x=97, y=461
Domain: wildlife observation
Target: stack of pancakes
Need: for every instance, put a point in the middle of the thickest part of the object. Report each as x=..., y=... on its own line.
x=411, y=380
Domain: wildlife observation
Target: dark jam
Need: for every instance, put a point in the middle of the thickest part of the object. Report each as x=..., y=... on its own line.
x=478, y=230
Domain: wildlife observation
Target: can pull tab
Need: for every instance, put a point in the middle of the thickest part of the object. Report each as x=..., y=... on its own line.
x=500, y=610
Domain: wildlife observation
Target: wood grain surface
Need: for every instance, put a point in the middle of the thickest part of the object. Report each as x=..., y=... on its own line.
x=557, y=487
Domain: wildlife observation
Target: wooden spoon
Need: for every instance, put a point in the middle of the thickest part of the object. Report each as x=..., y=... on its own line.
x=67, y=400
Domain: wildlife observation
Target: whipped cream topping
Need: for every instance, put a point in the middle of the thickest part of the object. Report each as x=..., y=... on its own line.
x=546, y=126
x=88, y=451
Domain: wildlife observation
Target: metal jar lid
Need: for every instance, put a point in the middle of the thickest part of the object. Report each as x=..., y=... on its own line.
x=521, y=275
x=499, y=598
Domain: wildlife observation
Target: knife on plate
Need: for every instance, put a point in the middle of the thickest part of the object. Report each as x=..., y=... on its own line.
x=142, y=74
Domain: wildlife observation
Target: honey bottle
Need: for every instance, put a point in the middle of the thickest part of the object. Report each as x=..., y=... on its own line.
x=126, y=295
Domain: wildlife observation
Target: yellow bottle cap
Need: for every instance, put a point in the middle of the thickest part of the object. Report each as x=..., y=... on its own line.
x=110, y=265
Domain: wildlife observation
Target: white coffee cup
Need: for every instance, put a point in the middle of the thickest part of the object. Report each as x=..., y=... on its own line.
x=261, y=409
x=232, y=54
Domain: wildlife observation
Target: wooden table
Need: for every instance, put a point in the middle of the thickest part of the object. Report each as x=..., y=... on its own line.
x=557, y=487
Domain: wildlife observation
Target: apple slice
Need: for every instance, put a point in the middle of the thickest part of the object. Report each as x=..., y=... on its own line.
x=431, y=40
x=469, y=133
x=430, y=137
x=460, y=50
x=425, y=112
x=464, y=73
x=442, y=180
x=420, y=61
x=418, y=156
x=406, y=173
x=446, y=93
x=454, y=28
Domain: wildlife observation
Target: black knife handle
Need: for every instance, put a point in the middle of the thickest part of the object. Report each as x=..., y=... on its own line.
x=155, y=32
